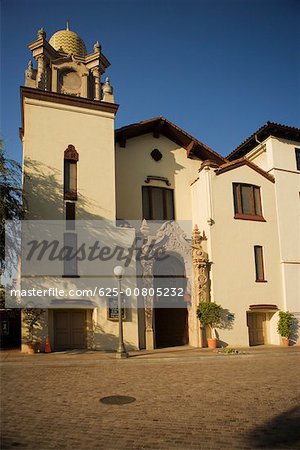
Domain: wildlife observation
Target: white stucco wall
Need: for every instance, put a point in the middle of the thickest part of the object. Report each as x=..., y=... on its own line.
x=134, y=164
x=230, y=245
x=48, y=129
x=282, y=165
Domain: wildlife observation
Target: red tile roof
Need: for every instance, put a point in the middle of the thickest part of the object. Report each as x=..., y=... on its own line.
x=160, y=125
x=242, y=162
x=269, y=129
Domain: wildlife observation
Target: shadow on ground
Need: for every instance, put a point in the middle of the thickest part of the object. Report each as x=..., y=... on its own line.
x=283, y=431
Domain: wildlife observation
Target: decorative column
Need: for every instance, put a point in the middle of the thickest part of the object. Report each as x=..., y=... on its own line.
x=147, y=264
x=200, y=274
x=42, y=72
x=54, y=83
x=97, y=81
x=84, y=87
x=148, y=283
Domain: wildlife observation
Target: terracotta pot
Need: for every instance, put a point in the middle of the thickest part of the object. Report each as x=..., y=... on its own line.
x=28, y=348
x=285, y=341
x=31, y=347
x=212, y=343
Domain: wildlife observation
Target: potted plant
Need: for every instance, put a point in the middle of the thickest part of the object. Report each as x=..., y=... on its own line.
x=209, y=314
x=285, y=326
x=32, y=318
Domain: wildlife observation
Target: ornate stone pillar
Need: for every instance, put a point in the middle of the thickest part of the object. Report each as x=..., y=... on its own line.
x=147, y=265
x=200, y=274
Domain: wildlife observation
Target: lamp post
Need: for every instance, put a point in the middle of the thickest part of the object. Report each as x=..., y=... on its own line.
x=121, y=351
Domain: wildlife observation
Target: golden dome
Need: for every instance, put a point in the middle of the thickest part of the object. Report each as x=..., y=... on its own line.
x=69, y=42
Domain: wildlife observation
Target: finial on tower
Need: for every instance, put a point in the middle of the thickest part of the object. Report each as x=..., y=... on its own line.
x=41, y=34
x=107, y=90
x=29, y=73
x=97, y=47
x=68, y=26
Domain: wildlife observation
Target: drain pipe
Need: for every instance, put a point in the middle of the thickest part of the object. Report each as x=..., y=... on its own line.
x=256, y=139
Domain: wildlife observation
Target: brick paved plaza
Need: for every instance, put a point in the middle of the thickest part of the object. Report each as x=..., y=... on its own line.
x=183, y=399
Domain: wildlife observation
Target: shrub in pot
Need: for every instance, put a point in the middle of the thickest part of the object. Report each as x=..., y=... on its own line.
x=32, y=317
x=209, y=314
x=285, y=326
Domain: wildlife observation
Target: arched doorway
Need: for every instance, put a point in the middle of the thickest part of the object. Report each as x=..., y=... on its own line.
x=170, y=309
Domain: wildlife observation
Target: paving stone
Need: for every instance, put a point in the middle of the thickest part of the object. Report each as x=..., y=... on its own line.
x=184, y=402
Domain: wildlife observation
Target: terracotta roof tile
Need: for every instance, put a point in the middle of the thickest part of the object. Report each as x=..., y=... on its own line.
x=268, y=129
x=242, y=162
x=161, y=125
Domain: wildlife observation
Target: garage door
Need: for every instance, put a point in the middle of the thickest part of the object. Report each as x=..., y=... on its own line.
x=69, y=329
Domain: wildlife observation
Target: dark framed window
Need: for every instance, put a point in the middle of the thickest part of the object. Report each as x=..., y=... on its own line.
x=70, y=180
x=297, y=152
x=70, y=173
x=70, y=215
x=259, y=263
x=158, y=203
x=69, y=255
x=247, y=202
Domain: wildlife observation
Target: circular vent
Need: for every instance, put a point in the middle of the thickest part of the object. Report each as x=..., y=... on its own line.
x=156, y=155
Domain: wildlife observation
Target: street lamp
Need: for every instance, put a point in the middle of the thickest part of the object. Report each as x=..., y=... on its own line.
x=121, y=351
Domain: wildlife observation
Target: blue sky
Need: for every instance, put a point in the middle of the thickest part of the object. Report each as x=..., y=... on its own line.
x=219, y=69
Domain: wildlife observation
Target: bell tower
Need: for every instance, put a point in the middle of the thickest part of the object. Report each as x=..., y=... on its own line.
x=63, y=66
x=65, y=105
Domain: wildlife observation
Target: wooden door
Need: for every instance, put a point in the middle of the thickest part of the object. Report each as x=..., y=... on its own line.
x=256, y=326
x=69, y=329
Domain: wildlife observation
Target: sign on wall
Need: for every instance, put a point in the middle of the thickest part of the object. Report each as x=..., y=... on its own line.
x=4, y=330
x=113, y=310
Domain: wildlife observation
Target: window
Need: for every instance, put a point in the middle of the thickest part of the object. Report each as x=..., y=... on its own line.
x=259, y=263
x=158, y=203
x=247, y=202
x=70, y=256
x=70, y=215
x=70, y=180
x=297, y=151
x=70, y=173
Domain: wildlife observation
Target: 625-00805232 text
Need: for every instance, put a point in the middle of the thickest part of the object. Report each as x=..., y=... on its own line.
x=98, y=292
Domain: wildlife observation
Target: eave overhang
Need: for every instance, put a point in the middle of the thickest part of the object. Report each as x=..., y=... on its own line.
x=267, y=130
x=161, y=126
x=244, y=162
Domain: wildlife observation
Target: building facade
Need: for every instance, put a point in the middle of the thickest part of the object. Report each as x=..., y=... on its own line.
x=241, y=209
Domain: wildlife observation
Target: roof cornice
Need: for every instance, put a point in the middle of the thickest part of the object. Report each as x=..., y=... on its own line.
x=64, y=99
